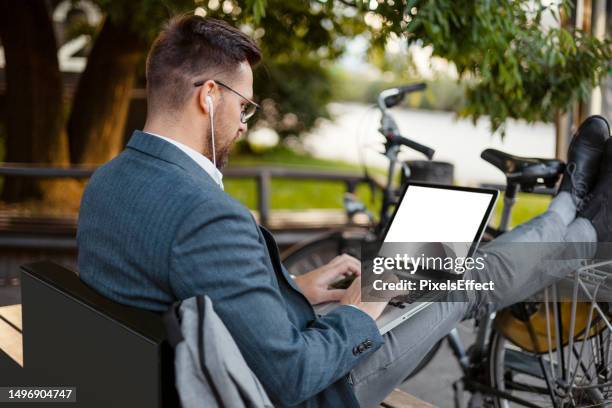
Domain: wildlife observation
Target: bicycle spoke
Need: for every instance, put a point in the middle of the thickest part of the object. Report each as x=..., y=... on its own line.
x=579, y=358
x=549, y=335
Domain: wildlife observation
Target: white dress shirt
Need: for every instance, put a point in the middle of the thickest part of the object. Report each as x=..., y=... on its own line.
x=199, y=158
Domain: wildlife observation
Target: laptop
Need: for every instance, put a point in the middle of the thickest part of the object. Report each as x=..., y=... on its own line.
x=431, y=213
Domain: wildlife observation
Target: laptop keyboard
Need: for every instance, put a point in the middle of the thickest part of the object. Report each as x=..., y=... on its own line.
x=414, y=295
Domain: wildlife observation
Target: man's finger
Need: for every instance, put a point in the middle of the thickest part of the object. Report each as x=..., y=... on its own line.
x=353, y=265
x=357, y=265
x=342, y=269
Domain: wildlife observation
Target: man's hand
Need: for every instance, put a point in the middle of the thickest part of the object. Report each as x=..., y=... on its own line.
x=353, y=297
x=315, y=284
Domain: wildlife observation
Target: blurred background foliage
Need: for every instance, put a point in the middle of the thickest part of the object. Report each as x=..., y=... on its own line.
x=508, y=63
x=520, y=68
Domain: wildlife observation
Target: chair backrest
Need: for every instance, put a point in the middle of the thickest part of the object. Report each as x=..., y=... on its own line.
x=114, y=355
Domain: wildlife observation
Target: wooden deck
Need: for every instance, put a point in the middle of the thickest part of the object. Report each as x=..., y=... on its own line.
x=11, y=343
x=401, y=399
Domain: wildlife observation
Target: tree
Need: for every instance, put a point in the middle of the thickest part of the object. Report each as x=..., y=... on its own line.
x=514, y=66
x=38, y=130
x=101, y=102
x=34, y=89
x=36, y=125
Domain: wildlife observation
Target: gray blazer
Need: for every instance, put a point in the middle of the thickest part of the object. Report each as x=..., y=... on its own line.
x=210, y=370
x=154, y=228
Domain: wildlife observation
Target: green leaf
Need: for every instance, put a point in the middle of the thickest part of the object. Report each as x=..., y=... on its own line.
x=259, y=9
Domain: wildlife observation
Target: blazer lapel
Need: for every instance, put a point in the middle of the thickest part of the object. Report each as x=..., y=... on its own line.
x=275, y=257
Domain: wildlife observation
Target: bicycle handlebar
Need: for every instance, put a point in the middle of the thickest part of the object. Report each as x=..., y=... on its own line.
x=400, y=140
x=406, y=89
x=390, y=131
x=393, y=96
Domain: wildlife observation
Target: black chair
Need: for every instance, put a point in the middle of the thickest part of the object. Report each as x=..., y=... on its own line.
x=115, y=356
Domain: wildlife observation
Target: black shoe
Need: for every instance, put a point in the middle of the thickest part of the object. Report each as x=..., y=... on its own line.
x=598, y=206
x=584, y=158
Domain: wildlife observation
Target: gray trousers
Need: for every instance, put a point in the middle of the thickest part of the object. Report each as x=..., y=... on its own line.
x=516, y=277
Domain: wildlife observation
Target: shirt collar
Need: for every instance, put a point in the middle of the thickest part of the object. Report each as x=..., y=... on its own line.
x=199, y=158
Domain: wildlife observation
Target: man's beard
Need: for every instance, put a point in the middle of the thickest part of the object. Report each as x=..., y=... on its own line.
x=221, y=152
x=223, y=156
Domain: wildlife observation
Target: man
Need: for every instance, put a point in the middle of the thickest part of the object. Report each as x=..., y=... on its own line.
x=155, y=226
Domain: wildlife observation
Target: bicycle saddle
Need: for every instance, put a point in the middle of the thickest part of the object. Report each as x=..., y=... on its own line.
x=526, y=171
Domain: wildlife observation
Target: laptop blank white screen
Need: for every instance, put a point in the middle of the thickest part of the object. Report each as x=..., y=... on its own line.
x=428, y=214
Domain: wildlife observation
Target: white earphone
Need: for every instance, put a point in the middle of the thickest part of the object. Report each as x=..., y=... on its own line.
x=209, y=102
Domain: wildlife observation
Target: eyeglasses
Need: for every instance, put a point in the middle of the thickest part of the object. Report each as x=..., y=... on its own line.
x=247, y=112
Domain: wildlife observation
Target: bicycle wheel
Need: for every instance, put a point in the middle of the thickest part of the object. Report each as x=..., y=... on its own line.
x=574, y=367
x=517, y=372
x=309, y=255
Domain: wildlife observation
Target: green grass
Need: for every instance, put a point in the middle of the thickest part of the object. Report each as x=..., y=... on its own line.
x=309, y=194
x=284, y=156
x=527, y=206
x=295, y=194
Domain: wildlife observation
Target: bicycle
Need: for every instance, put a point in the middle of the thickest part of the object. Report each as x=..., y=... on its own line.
x=508, y=364
x=526, y=175
x=489, y=363
x=318, y=251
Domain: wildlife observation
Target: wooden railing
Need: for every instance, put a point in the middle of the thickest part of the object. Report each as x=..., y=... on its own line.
x=262, y=175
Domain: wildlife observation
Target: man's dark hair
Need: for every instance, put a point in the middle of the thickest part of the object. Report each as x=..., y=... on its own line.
x=191, y=47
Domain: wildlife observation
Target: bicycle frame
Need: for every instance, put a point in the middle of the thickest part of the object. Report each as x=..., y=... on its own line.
x=394, y=142
x=390, y=194
x=471, y=362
